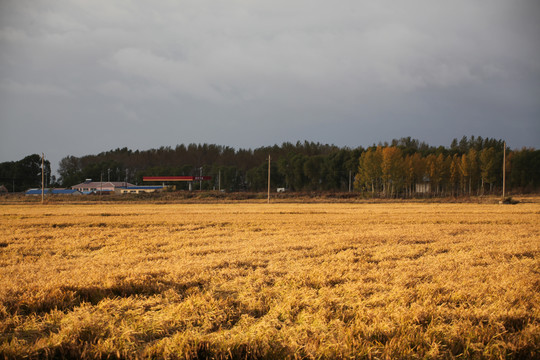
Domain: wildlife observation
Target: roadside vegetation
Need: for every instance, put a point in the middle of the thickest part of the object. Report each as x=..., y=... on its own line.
x=252, y=280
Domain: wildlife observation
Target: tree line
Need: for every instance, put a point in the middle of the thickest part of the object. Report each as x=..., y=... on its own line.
x=402, y=168
x=388, y=172
x=24, y=174
x=297, y=167
x=468, y=167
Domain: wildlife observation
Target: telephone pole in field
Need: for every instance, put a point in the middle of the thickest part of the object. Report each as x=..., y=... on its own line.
x=269, y=179
x=42, y=177
x=504, y=170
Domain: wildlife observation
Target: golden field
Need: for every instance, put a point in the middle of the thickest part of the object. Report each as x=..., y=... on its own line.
x=248, y=280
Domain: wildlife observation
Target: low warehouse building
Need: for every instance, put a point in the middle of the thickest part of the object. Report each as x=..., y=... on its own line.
x=140, y=189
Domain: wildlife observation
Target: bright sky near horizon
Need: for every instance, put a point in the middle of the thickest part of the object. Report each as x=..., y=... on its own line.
x=81, y=77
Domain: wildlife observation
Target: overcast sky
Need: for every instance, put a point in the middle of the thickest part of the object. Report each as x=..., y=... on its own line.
x=79, y=77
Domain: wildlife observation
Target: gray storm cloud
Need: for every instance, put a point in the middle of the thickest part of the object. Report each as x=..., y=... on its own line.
x=252, y=73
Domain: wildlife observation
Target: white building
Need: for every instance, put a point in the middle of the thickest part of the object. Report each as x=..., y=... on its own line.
x=90, y=186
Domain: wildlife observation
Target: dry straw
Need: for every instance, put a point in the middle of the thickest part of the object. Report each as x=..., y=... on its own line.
x=270, y=281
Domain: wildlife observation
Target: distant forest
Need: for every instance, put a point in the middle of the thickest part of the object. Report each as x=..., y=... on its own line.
x=402, y=168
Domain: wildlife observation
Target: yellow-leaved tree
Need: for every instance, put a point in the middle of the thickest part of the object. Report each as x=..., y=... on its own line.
x=393, y=171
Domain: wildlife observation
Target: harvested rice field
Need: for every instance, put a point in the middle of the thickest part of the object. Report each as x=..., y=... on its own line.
x=254, y=280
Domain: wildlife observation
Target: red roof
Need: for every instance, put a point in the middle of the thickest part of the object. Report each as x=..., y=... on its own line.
x=176, y=178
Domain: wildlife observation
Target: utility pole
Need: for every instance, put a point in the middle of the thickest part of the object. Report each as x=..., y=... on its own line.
x=219, y=180
x=101, y=186
x=108, y=175
x=269, y=179
x=350, y=175
x=200, y=181
x=42, y=177
x=504, y=170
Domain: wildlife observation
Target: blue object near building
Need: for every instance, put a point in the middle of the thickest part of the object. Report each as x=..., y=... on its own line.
x=53, y=192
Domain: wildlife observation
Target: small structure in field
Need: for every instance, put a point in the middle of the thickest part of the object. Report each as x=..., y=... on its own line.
x=508, y=201
x=423, y=188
